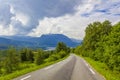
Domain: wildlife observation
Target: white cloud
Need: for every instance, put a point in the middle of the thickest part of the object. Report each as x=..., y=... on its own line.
x=12, y=21
x=74, y=25
x=70, y=25
x=22, y=16
x=7, y=31
x=19, y=16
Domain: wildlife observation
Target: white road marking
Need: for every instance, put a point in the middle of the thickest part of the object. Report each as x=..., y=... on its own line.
x=26, y=77
x=58, y=62
x=88, y=67
x=48, y=67
x=86, y=63
x=92, y=71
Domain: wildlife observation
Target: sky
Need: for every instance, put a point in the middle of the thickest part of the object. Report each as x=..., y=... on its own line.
x=68, y=17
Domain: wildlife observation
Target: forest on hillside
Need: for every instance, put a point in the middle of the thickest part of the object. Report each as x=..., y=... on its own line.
x=19, y=61
x=102, y=43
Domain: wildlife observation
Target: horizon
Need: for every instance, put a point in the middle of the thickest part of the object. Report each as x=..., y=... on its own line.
x=35, y=18
x=4, y=36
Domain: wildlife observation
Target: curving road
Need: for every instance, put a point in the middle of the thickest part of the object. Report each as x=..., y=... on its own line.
x=73, y=68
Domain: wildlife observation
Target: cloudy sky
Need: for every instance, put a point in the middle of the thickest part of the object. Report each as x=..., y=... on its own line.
x=68, y=17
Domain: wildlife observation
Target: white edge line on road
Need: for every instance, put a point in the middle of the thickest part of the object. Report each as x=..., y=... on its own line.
x=88, y=67
x=48, y=67
x=26, y=77
x=58, y=62
x=92, y=71
x=86, y=63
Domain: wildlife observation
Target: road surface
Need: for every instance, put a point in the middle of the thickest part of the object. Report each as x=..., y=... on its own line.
x=72, y=68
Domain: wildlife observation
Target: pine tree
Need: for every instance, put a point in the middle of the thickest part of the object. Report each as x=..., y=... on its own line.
x=38, y=57
x=12, y=60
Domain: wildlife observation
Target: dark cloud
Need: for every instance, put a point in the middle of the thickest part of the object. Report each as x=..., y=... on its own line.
x=5, y=14
x=36, y=10
x=53, y=8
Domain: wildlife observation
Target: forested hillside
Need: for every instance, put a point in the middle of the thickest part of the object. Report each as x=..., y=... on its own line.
x=102, y=43
x=14, y=62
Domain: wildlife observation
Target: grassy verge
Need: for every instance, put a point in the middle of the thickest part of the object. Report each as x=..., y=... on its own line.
x=27, y=70
x=102, y=69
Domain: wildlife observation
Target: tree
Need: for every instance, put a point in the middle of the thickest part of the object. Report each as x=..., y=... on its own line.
x=77, y=50
x=23, y=55
x=95, y=36
x=112, y=51
x=29, y=55
x=38, y=57
x=1, y=65
x=61, y=47
x=12, y=60
x=26, y=54
x=102, y=43
x=62, y=54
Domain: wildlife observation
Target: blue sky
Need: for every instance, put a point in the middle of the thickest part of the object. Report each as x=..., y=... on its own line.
x=68, y=17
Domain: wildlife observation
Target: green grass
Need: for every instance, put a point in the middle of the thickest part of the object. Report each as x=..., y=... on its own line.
x=27, y=70
x=103, y=69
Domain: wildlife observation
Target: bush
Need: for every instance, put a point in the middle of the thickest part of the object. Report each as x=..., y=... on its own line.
x=62, y=54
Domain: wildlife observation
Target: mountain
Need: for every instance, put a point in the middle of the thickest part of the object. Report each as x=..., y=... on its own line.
x=76, y=40
x=45, y=41
x=52, y=40
x=5, y=43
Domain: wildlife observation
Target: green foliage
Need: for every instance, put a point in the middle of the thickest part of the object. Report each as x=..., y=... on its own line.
x=54, y=57
x=1, y=67
x=72, y=50
x=95, y=33
x=26, y=55
x=0, y=64
x=62, y=47
x=62, y=54
x=57, y=56
x=77, y=50
x=27, y=70
x=103, y=69
x=39, y=57
x=30, y=55
x=113, y=48
x=102, y=43
x=11, y=61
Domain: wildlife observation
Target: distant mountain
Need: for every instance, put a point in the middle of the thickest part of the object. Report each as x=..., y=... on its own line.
x=76, y=40
x=52, y=40
x=5, y=43
x=45, y=41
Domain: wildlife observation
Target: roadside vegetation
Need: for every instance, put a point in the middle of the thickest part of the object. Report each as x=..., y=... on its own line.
x=15, y=62
x=101, y=46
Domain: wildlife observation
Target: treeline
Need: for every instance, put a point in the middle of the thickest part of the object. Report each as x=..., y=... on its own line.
x=102, y=43
x=13, y=59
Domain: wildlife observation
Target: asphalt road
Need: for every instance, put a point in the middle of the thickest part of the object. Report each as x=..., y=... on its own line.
x=72, y=68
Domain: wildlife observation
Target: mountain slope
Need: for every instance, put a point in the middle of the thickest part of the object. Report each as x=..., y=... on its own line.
x=45, y=41
x=53, y=39
x=5, y=43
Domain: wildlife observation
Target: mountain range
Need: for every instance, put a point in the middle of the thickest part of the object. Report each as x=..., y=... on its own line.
x=45, y=41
